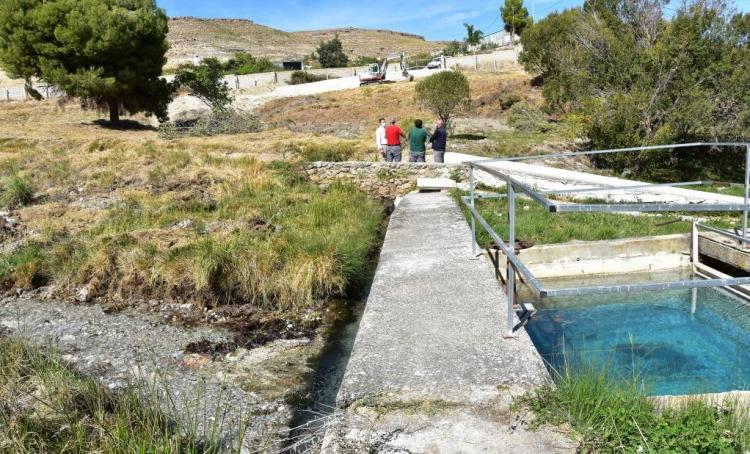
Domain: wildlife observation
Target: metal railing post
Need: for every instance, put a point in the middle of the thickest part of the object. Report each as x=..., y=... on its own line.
x=473, y=220
x=511, y=280
x=747, y=190
x=694, y=258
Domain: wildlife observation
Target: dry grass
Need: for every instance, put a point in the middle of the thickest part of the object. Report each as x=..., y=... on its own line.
x=214, y=220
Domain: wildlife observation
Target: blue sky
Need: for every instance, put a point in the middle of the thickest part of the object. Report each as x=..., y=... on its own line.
x=435, y=20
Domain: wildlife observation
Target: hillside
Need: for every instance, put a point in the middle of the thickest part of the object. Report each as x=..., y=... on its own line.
x=190, y=36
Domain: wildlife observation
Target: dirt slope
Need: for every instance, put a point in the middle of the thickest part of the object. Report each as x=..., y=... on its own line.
x=190, y=36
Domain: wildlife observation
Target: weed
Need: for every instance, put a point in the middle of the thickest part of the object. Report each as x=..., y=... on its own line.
x=17, y=190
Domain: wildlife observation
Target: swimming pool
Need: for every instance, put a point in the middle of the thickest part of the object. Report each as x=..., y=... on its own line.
x=677, y=342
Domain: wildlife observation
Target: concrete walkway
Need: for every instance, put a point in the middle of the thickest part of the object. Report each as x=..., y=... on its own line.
x=548, y=178
x=430, y=370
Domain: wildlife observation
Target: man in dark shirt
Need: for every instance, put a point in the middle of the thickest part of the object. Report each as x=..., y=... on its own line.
x=417, y=138
x=439, y=141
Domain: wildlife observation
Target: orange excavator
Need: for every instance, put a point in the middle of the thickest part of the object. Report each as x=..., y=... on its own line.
x=376, y=73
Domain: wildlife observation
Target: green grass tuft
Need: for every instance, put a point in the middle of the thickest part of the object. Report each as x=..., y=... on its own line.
x=16, y=191
x=534, y=223
x=47, y=407
x=611, y=415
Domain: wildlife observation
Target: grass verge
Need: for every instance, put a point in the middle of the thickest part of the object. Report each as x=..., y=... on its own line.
x=266, y=237
x=46, y=407
x=616, y=416
x=534, y=223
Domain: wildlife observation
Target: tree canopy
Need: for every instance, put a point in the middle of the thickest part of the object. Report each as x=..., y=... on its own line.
x=206, y=82
x=445, y=94
x=473, y=35
x=515, y=16
x=631, y=77
x=330, y=54
x=106, y=52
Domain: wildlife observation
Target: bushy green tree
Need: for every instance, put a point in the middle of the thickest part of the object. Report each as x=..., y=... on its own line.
x=473, y=38
x=106, y=52
x=637, y=78
x=453, y=48
x=330, y=54
x=445, y=94
x=206, y=82
x=515, y=16
x=245, y=63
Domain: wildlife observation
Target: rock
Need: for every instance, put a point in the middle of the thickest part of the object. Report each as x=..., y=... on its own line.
x=83, y=294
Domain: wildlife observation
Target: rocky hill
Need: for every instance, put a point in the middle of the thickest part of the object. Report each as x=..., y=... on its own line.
x=190, y=37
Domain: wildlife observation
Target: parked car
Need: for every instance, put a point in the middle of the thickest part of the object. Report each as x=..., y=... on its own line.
x=436, y=63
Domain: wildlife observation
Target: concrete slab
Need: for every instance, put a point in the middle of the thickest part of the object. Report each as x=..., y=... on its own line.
x=430, y=358
x=547, y=178
x=435, y=183
x=434, y=321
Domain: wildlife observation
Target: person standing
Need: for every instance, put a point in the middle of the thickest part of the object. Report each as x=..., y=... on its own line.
x=380, y=140
x=393, y=135
x=439, y=141
x=417, y=140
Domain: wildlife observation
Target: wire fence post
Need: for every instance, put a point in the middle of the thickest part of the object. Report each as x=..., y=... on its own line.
x=511, y=280
x=473, y=220
x=747, y=190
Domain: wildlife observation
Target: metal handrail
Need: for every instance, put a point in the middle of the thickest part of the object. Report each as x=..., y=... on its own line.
x=516, y=265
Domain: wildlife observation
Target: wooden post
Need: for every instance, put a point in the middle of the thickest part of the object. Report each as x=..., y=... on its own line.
x=275, y=77
x=237, y=81
x=7, y=95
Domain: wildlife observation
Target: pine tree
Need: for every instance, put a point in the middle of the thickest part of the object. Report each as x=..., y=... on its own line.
x=106, y=52
x=515, y=16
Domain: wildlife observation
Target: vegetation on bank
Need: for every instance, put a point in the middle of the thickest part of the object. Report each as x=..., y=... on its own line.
x=201, y=227
x=534, y=223
x=607, y=415
x=627, y=76
x=45, y=406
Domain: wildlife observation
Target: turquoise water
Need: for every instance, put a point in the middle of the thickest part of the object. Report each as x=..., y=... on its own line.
x=672, y=345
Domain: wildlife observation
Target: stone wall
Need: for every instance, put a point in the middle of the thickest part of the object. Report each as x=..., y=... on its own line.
x=382, y=179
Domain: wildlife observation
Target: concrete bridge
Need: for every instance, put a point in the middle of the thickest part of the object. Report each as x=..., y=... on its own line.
x=431, y=370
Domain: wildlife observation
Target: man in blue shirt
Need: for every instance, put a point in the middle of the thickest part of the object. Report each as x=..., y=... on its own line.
x=439, y=141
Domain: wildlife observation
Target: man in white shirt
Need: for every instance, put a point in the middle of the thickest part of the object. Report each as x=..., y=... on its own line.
x=380, y=141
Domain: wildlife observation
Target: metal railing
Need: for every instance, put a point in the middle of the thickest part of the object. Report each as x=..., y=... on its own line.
x=515, y=265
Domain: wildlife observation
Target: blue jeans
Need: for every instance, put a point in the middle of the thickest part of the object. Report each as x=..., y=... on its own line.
x=416, y=157
x=393, y=153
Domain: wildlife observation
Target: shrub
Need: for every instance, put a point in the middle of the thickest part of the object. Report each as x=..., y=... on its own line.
x=229, y=122
x=508, y=99
x=206, y=82
x=17, y=190
x=245, y=63
x=330, y=54
x=304, y=77
x=525, y=116
x=445, y=94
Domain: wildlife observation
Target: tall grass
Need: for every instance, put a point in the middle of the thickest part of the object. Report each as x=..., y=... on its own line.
x=273, y=240
x=536, y=224
x=16, y=190
x=614, y=415
x=46, y=407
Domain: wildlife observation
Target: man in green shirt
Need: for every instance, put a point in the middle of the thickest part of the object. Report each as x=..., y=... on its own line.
x=417, y=138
